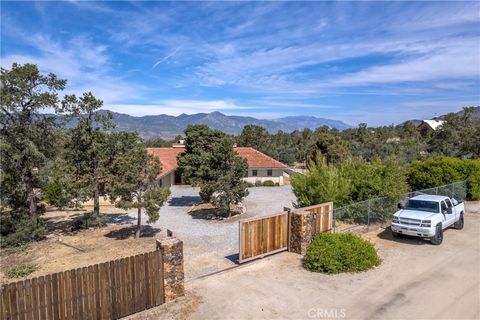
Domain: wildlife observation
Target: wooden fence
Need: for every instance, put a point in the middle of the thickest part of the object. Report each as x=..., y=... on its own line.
x=323, y=216
x=266, y=235
x=263, y=235
x=107, y=290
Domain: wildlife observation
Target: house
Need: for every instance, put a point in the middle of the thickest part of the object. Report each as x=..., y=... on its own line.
x=260, y=166
x=427, y=126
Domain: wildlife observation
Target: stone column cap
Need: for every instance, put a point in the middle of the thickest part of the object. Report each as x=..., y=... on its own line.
x=168, y=240
x=300, y=211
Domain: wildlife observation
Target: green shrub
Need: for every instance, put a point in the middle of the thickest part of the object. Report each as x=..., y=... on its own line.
x=322, y=182
x=21, y=270
x=277, y=184
x=250, y=185
x=55, y=195
x=375, y=179
x=268, y=183
x=258, y=183
x=20, y=230
x=89, y=220
x=473, y=180
x=438, y=171
x=340, y=252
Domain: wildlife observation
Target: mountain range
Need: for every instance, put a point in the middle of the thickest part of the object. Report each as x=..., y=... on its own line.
x=167, y=127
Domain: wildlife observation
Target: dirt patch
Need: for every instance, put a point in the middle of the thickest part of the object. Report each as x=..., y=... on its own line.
x=64, y=250
x=181, y=308
x=207, y=211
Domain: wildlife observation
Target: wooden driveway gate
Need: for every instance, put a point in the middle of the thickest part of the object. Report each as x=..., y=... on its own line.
x=261, y=236
x=323, y=216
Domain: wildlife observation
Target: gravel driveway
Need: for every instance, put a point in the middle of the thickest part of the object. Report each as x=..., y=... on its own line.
x=211, y=245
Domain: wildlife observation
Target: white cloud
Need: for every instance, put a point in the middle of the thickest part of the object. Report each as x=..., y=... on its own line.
x=453, y=60
x=85, y=66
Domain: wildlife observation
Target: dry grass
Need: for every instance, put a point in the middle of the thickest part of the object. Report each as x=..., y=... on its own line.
x=64, y=250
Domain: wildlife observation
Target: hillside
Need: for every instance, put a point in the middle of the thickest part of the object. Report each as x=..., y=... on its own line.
x=165, y=126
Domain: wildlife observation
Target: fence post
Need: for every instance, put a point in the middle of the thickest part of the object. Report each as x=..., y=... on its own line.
x=173, y=270
x=302, y=230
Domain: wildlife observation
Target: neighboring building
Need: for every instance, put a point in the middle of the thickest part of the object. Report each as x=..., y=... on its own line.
x=260, y=166
x=427, y=126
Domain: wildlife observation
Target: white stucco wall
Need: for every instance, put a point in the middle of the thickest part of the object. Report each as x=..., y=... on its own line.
x=276, y=177
x=168, y=180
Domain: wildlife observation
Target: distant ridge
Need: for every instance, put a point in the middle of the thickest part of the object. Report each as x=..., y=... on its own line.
x=165, y=126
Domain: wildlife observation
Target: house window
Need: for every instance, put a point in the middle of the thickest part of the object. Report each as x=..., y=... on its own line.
x=254, y=173
x=269, y=173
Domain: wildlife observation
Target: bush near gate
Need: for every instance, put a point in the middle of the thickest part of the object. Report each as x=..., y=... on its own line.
x=340, y=252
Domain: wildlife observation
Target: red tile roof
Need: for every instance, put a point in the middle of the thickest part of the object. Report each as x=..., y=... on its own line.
x=168, y=158
x=255, y=159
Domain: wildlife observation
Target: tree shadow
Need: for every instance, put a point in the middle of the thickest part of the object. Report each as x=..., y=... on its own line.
x=386, y=234
x=184, y=201
x=127, y=232
x=61, y=224
x=213, y=214
x=118, y=218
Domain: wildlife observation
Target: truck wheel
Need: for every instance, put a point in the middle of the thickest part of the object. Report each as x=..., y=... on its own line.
x=459, y=224
x=395, y=234
x=438, y=237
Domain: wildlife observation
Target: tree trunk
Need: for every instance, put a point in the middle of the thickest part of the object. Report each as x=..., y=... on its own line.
x=96, y=200
x=31, y=198
x=139, y=223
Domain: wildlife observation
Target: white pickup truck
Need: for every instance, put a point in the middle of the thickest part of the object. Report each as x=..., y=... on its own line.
x=426, y=216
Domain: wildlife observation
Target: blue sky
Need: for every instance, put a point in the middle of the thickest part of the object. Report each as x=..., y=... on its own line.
x=373, y=62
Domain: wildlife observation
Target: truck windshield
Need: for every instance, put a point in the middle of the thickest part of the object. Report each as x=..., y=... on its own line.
x=422, y=205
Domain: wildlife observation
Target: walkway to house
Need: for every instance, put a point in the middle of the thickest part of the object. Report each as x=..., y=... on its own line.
x=212, y=245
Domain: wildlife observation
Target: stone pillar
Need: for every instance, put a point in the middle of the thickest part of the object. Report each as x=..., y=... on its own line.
x=302, y=230
x=173, y=271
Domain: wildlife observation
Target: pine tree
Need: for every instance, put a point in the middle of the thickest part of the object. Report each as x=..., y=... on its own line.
x=210, y=162
x=28, y=136
x=86, y=145
x=131, y=179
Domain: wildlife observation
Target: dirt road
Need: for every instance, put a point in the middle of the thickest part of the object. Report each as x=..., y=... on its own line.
x=415, y=281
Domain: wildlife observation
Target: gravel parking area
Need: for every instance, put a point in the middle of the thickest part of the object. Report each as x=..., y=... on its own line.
x=212, y=245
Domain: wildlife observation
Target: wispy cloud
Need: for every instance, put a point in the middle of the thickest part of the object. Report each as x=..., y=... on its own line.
x=85, y=65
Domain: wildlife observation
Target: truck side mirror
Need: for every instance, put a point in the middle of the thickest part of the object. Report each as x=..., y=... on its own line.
x=399, y=206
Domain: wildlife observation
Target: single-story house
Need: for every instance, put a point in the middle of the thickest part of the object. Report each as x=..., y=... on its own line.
x=260, y=166
x=427, y=126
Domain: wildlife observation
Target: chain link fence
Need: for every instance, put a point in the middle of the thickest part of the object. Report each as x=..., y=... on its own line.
x=381, y=210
